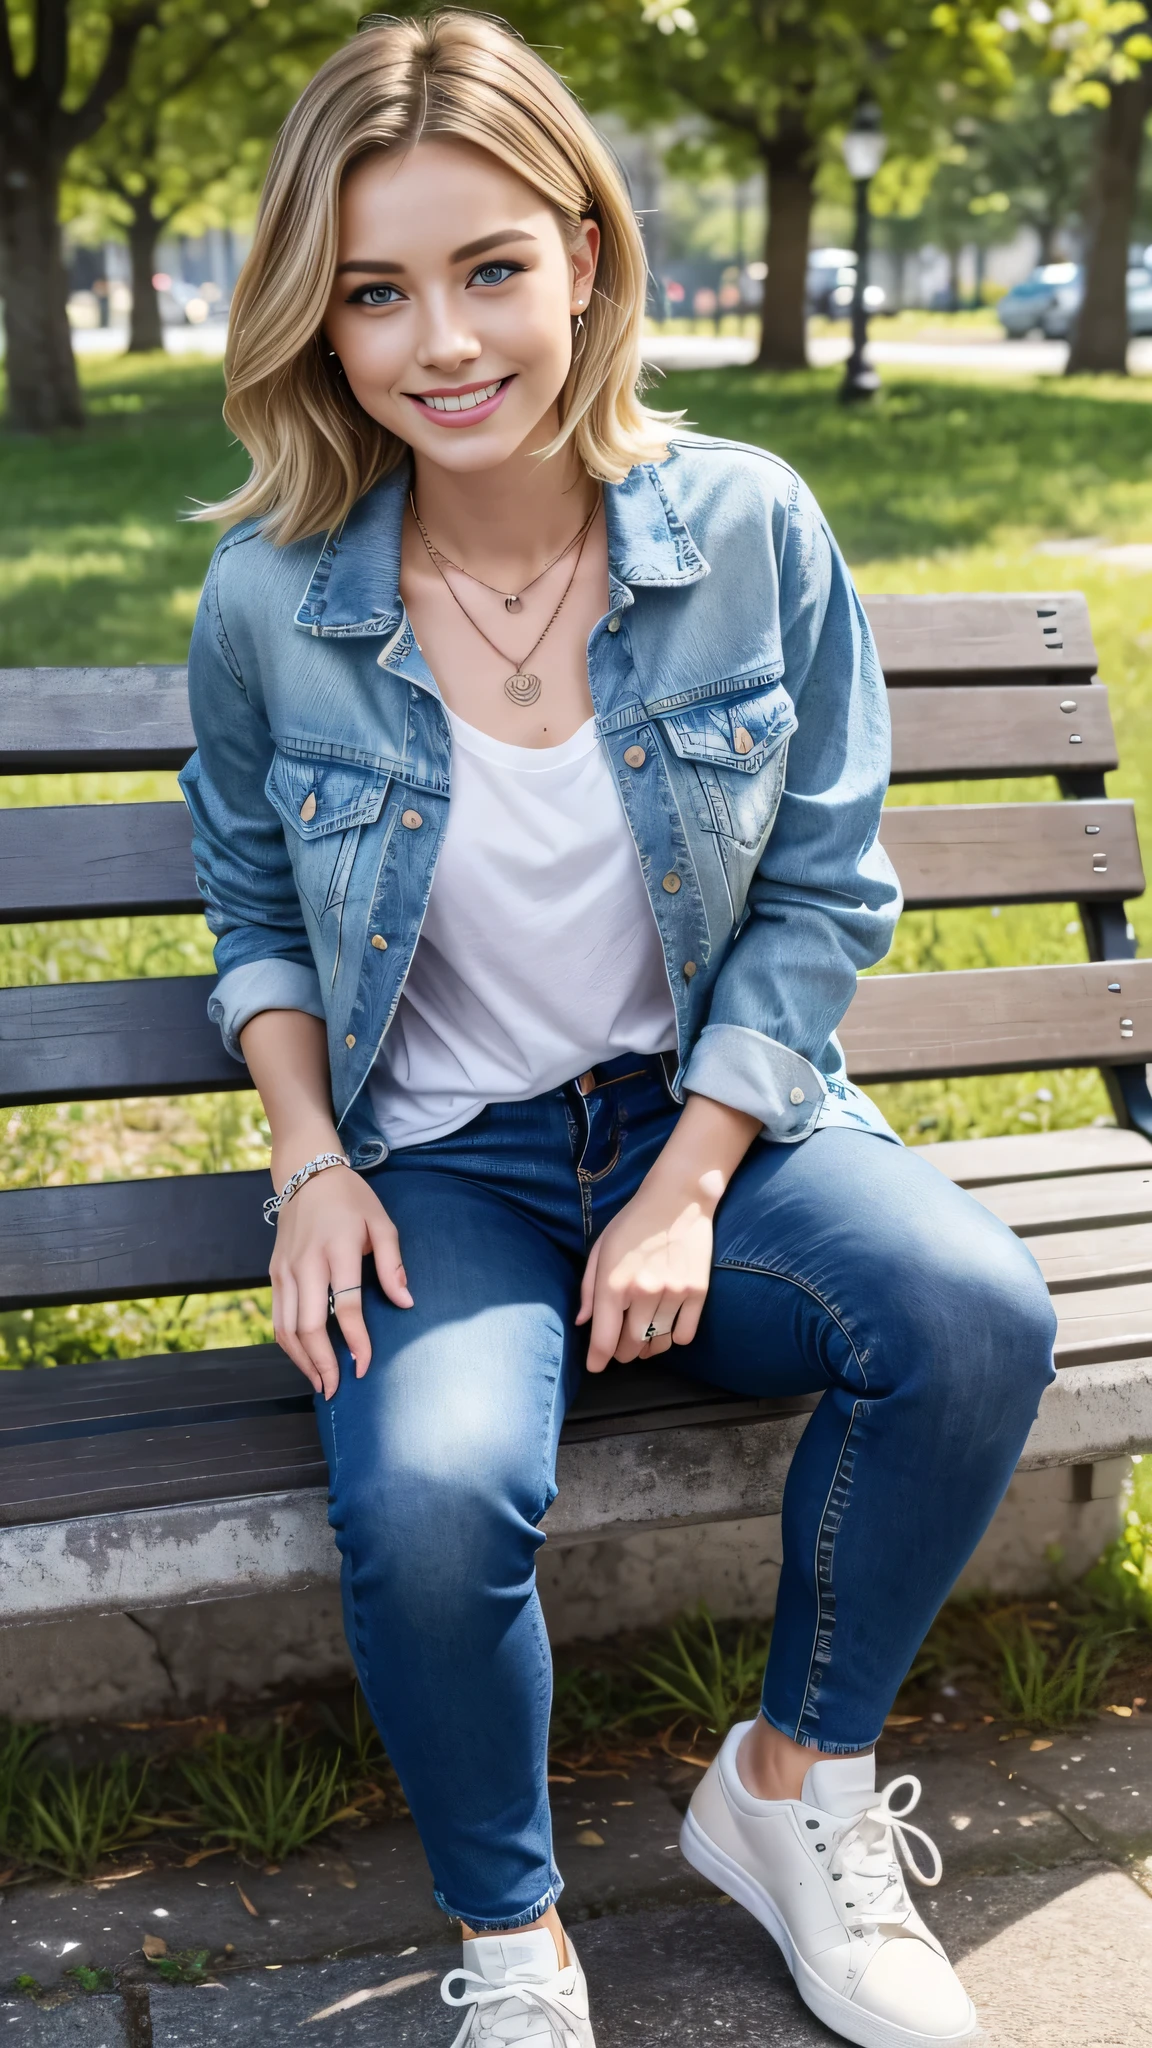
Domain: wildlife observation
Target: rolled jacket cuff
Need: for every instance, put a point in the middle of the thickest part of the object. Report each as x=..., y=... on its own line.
x=752, y=1072
x=257, y=985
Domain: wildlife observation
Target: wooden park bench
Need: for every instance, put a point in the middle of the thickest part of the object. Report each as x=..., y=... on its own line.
x=155, y=1481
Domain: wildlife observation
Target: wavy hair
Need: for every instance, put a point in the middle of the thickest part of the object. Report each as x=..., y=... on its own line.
x=314, y=449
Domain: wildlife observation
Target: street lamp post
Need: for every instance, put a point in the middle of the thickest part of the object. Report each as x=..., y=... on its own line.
x=864, y=145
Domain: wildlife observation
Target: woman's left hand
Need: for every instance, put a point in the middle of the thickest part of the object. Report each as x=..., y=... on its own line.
x=650, y=1270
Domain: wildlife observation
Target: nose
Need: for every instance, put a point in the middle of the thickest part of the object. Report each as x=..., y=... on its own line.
x=446, y=339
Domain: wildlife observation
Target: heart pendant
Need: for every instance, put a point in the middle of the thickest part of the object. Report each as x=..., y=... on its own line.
x=513, y=604
x=522, y=689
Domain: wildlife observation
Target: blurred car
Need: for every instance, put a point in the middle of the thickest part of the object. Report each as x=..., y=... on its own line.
x=831, y=284
x=188, y=304
x=1060, y=316
x=1023, y=310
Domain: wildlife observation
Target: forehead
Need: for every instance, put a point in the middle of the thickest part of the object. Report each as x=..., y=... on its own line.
x=433, y=196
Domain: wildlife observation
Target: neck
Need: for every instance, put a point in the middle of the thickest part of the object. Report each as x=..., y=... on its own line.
x=511, y=517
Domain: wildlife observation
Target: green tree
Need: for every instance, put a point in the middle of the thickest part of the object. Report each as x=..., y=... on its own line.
x=1099, y=54
x=187, y=139
x=62, y=62
x=778, y=79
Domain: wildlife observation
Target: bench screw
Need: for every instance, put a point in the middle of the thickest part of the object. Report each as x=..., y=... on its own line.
x=1069, y=704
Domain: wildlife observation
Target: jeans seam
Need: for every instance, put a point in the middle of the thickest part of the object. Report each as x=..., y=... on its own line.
x=790, y=1280
x=821, y=1605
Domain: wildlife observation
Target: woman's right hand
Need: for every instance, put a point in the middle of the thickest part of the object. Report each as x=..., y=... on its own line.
x=322, y=1236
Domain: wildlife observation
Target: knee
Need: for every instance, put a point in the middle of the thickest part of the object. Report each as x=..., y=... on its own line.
x=426, y=1523
x=984, y=1313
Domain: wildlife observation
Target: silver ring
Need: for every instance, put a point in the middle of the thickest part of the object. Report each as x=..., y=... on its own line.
x=336, y=1291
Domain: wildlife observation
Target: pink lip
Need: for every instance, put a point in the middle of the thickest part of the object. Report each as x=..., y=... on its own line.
x=459, y=419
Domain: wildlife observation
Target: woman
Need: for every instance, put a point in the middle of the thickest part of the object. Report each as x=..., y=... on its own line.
x=541, y=753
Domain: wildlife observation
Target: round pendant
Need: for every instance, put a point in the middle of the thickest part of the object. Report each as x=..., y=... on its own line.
x=522, y=689
x=513, y=604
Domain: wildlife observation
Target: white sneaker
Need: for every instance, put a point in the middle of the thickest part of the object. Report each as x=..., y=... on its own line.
x=822, y=1874
x=516, y=1992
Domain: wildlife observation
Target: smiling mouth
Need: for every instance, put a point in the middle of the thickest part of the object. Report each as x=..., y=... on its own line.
x=460, y=401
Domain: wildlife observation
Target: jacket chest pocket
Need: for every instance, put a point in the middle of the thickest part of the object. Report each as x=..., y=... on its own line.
x=323, y=806
x=738, y=748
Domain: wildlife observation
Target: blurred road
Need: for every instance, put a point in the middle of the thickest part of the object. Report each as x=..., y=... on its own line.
x=710, y=352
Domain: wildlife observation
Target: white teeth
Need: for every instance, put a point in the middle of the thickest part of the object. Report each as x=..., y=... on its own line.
x=466, y=402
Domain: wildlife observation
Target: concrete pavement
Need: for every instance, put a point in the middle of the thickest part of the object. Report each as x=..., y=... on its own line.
x=1046, y=1907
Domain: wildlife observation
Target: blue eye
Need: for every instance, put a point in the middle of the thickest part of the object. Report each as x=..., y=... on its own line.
x=494, y=273
x=375, y=295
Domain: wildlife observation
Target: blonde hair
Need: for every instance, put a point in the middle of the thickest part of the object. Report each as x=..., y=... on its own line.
x=314, y=449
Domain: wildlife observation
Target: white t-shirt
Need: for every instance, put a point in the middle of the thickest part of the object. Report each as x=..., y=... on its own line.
x=539, y=955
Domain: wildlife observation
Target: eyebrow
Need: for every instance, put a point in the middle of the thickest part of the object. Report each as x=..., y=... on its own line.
x=477, y=248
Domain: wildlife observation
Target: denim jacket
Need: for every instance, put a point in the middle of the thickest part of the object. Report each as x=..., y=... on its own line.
x=739, y=700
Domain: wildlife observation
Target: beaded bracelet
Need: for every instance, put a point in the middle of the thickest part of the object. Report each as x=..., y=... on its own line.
x=322, y=1161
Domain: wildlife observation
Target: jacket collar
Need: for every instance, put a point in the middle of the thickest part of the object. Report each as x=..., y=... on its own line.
x=354, y=588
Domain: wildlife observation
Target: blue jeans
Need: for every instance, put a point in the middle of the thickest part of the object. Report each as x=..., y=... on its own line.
x=844, y=1266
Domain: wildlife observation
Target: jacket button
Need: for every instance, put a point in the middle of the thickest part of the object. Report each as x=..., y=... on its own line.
x=350, y=1040
x=742, y=740
x=614, y=623
x=635, y=756
x=671, y=883
x=796, y=1095
x=308, y=807
x=380, y=944
x=689, y=969
x=412, y=819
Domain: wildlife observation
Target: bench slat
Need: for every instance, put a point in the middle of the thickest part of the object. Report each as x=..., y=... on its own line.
x=1102, y=1323
x=101, y=1040
x=95, y=860
x=1033, y=1208
x=97, y=1040
x=105, y=860
x=958, y=854
x=121, y=1239
x=1075, y=1259
x=990, y=1020
x=973, y=1162
x=46, y=1482
x=1025, y=637
x=257, y=1379
x=242, y=1457
x=1012, y=729
x=54, y=719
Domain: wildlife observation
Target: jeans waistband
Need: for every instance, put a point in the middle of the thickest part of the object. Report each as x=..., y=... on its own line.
x=656, y=1066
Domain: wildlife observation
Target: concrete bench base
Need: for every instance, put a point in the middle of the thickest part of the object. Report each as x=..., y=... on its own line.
x=610, y=1486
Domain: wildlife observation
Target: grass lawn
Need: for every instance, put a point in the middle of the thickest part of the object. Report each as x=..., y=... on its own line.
x=944, y=484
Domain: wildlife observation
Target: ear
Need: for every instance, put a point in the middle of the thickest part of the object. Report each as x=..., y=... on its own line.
x=585, y=256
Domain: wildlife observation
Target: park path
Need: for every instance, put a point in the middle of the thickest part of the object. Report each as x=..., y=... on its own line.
x=1046, y=1908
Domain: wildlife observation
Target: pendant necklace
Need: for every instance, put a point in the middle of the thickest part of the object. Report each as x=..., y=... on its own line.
x=514, y=600
x=521, y=687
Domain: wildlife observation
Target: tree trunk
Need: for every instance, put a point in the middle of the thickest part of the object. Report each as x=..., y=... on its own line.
x=146, y=332
x=1100, y=335
x=43, y=388
x=788, y=182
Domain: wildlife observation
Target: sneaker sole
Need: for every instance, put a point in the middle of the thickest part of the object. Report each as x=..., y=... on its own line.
x=837, y=2012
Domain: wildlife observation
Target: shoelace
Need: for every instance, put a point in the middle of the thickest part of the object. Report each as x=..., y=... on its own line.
x=887, y=1902
x=515, y=1989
